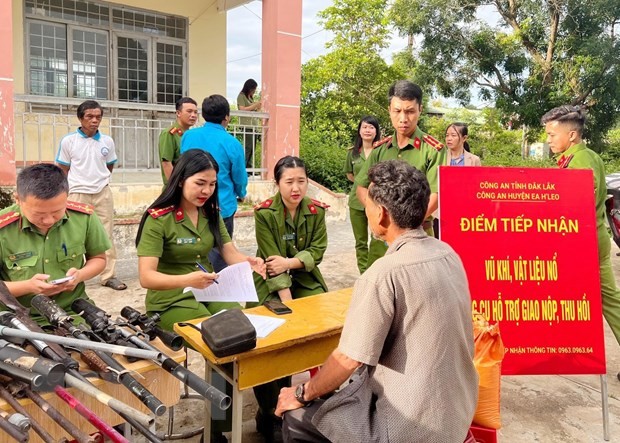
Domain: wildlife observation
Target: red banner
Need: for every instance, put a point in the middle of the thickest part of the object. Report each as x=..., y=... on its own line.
x=527, y=238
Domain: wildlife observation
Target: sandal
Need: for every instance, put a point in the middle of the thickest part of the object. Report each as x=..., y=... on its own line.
x=115, y=284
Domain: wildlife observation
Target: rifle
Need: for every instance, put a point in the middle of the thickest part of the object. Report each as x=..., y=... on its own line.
x=55, y=415
x=36, y=426
x=53, y=351
x=53, y=372
x=100, y=324
x=89, y=415
x=149, y=327
x=59, y=318
x=75, y=379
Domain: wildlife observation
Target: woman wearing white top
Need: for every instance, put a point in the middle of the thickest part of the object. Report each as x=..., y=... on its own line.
x=458, y=155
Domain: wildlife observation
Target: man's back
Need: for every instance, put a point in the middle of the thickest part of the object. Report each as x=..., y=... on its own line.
x=417, y=339
x=229, y=154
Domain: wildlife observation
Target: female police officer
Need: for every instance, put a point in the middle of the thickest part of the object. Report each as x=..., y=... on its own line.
x=175, y=234
x=292, y=238
x=368, y=132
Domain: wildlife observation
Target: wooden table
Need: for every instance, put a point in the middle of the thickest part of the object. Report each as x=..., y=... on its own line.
x=161, y=384
x=311, y=332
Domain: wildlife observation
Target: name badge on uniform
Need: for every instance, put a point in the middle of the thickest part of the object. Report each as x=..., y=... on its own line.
x=288, y=236
x=186, y=241
x=20, y=256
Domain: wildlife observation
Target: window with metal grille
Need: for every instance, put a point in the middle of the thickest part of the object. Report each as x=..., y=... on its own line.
x=92, y=49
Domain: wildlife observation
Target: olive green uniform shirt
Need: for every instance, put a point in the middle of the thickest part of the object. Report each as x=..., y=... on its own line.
x=171, y=236
x=304, y=238
x=418, y=153
x=242, y=100
x=353, y=165
x=170, y=146
x=25, y=251
x=580, y=157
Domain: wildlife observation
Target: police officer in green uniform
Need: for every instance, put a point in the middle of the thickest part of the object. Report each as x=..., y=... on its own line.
x=175, y=235
x=292, y=238
x=170, y=139
x=410, y=144
x=564, y=128
x=44, y=237
x=368, y=132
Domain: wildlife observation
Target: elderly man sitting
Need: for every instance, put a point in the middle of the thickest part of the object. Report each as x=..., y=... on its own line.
x=407, y=341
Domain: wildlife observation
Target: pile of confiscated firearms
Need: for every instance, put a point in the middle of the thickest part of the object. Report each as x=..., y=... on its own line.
x=32, y=360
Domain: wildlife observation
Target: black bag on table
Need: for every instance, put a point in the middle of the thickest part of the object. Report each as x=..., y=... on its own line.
x=229, y=332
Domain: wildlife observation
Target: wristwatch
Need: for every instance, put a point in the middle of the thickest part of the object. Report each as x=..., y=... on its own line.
x=299, y=395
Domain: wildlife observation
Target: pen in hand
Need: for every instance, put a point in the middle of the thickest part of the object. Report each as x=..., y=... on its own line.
x=203, y=269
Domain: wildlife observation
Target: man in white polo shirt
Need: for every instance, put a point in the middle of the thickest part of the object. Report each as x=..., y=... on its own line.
x=88, y=157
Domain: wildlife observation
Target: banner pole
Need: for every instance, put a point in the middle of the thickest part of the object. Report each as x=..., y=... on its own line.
x=605, y=400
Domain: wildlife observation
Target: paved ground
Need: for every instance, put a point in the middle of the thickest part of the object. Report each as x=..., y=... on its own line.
x=562, y=409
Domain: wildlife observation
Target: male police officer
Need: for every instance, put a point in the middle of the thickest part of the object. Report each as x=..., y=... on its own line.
x=410, y=144
x=44, y=237
x=170, y=139
x=564, y=128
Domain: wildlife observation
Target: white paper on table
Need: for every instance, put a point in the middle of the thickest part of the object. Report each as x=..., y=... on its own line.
x=264, y=325
x=234, y=284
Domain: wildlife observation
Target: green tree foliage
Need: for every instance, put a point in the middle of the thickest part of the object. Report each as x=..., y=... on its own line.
x=324, y=157
x=539, y=54
x=352, y=79
x=6, y=197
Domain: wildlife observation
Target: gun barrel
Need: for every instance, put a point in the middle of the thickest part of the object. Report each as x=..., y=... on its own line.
x=97, y=316
x=217, y=397
x=36, y=426
x=81, y=344
x=89, y=415
x=36, y=381
x=113, y=403
x=54, y=372
x=55, y=415
x=13, y=431
x=59, y=318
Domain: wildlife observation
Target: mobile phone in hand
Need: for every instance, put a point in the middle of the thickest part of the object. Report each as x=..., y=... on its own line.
x=60, y=281
x=277, y=307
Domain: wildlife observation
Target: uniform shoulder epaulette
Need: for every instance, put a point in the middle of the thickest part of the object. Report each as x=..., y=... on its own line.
x=433, y=142
x=263, y=205
x=176, y=130
x=563, y=161
x=9, y=218
x=382, y=142
x=319, y=203
x=158, y=212
x=314, y=203
x=84, y=208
